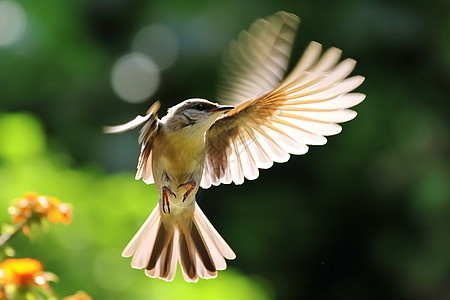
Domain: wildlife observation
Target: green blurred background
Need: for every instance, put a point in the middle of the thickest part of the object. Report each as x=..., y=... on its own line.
x=365, y=217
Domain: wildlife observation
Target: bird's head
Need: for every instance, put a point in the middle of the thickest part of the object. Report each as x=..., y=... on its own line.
x=197, y=114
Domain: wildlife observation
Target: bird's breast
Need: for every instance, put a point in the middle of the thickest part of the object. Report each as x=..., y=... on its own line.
x=177, y=158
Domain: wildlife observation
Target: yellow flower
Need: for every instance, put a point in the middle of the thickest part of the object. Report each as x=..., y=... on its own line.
x=80, y=295
x=22, y=272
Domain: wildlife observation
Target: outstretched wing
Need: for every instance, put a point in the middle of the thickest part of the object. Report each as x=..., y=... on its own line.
x=276, y=117
x=144, y=168
x=257, y=61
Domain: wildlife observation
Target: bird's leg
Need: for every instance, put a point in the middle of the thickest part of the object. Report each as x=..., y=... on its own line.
x=165, y=198
x=190, y=186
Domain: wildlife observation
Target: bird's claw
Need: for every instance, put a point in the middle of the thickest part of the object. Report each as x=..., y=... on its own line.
x=165, y=198
x=190, y=186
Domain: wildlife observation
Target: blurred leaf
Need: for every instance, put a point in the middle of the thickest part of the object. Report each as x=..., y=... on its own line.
x=21, y=135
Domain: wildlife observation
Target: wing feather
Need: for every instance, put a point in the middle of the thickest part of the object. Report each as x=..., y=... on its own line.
x=139, y=120
x=276, y=117
x=151, y=127
x=250, y=169
x=262, y=159
x=257, y=61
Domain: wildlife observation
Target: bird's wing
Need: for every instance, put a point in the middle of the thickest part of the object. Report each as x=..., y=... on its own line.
x=256, y=62
x=286, y=114
x=144, y=168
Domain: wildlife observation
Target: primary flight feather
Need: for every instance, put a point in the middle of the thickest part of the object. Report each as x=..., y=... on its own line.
x=266, y=117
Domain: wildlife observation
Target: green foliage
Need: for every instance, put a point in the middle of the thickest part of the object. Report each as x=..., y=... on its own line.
x=22, y=137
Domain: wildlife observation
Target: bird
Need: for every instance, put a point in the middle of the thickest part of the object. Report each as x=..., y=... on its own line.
x=264, y=116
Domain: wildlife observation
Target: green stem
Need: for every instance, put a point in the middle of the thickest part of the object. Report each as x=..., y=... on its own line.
x=5, y=237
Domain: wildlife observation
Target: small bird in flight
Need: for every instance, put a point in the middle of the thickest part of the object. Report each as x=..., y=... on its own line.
x=267, y=117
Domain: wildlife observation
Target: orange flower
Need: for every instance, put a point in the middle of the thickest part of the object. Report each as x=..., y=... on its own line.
x=33, y=205
x=60, y=213
x=23, y=207
x=80, y=295
x=22, y=272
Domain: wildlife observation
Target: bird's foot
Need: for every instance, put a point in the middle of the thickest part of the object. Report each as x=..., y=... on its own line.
x=190, y=186
x=165, y=198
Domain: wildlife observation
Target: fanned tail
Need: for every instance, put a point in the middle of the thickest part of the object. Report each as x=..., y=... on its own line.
x=196, y=244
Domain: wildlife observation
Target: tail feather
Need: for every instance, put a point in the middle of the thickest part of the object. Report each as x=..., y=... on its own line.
x=168, y=260
x=219, y=242
x=198, y=246
x=216, y=255
x=166, y=264
x=135, y=242
x=163, y=238
x=187, y=263
x=202, y=250
x=147, y=241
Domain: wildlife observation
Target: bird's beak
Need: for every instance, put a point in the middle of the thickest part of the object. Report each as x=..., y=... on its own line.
x=222, y=108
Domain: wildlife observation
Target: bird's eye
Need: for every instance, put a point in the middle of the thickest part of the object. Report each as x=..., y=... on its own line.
x=200, y=106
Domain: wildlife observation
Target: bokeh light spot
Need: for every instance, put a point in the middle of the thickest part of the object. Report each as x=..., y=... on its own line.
x=12, y=22
x=135, y=77
x=159, y=42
